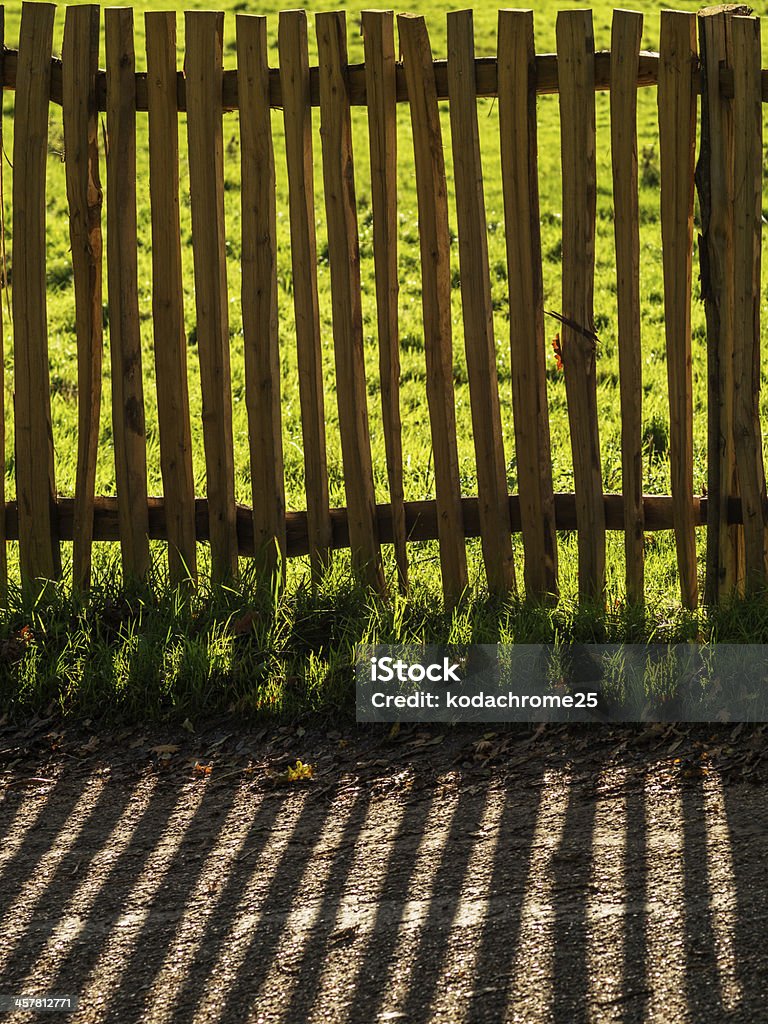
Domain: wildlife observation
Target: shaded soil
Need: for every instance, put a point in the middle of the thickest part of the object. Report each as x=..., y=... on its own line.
x=526, y=875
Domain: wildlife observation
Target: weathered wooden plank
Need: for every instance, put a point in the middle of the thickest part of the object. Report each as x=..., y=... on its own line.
x=575, y=47
x=168, y=297
x=625, y=47
x=294, y=77
x=39, y=554
x=520, y=182
x=677, y=139
x=479, y=337
x=346, y=298
x=259, y=296
x=714, y=180
x=747, y=235
x=379, y=41
x=128, y=427
x=203, y=67
x=434, y=241
x=80, y=60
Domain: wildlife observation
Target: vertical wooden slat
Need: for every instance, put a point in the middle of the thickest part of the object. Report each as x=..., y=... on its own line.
x=381, y=100
x=346, y=299
x=576, y=77
x=747, y=235
x=520, y=182
x=3, y=285
x=435, y=244
x=677, y=138
x=625, y=49
x=39, y=553
x=259, y=295
x=80, y=62
x=167, y=297
x=128, y=427
x=714, y=180
x=297, y=110
x=479, y=338
x=204, y=73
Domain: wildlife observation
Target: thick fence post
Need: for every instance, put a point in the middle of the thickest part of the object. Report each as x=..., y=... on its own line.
x=520, y=182
x=261, y=339
x=575, y=49
x=625, y=51
x=204, y=70
x=677, y=141
x=346, y=297
x=128, y=423
x=479, y=337
x=39, y=552
x=297, y=110
x=80, y=62
x=714, y=181
x=168, y=298
x=434, y=238
x=381, y=101
x=747, y=233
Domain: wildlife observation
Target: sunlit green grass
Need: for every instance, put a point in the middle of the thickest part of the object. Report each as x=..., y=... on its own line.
x=76, y=664
x=152, y=653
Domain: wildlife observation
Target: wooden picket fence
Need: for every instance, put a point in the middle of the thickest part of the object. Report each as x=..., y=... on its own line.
x=727, y=76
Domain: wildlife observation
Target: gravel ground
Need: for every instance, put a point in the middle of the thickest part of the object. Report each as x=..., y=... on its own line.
x=528, y=877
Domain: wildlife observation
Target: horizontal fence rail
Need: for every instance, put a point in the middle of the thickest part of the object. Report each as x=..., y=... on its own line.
x=486, y=72
x=420, y=519
x=709, y=87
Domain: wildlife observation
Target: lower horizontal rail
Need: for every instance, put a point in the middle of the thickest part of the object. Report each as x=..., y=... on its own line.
x=421, y=519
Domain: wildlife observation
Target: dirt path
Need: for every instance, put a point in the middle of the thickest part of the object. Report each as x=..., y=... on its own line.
x=432, y=884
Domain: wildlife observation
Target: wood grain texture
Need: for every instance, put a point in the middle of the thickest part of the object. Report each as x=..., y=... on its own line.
x=203, y=66
x=381, y=98
x=546, y=80
x=346, y=298
x=625, y=49
x=575, y=48
x=479, y=336
x=714, y=180
x=80, y=59
x=520, y=183
x=128, y=426
x=259, y=297
x=434, y=239
x=677, y=139
x=297, y=111
x=39, y=553
x=168, y=298
x=747, y=236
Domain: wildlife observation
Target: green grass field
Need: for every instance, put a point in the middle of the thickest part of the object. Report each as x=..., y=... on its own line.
x=151, y=653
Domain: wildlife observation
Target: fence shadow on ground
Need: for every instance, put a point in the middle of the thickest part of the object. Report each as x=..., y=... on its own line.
x=611, y=892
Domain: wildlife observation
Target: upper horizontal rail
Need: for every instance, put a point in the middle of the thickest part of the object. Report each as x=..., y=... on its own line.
x=485, y=69
x=486, y=76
